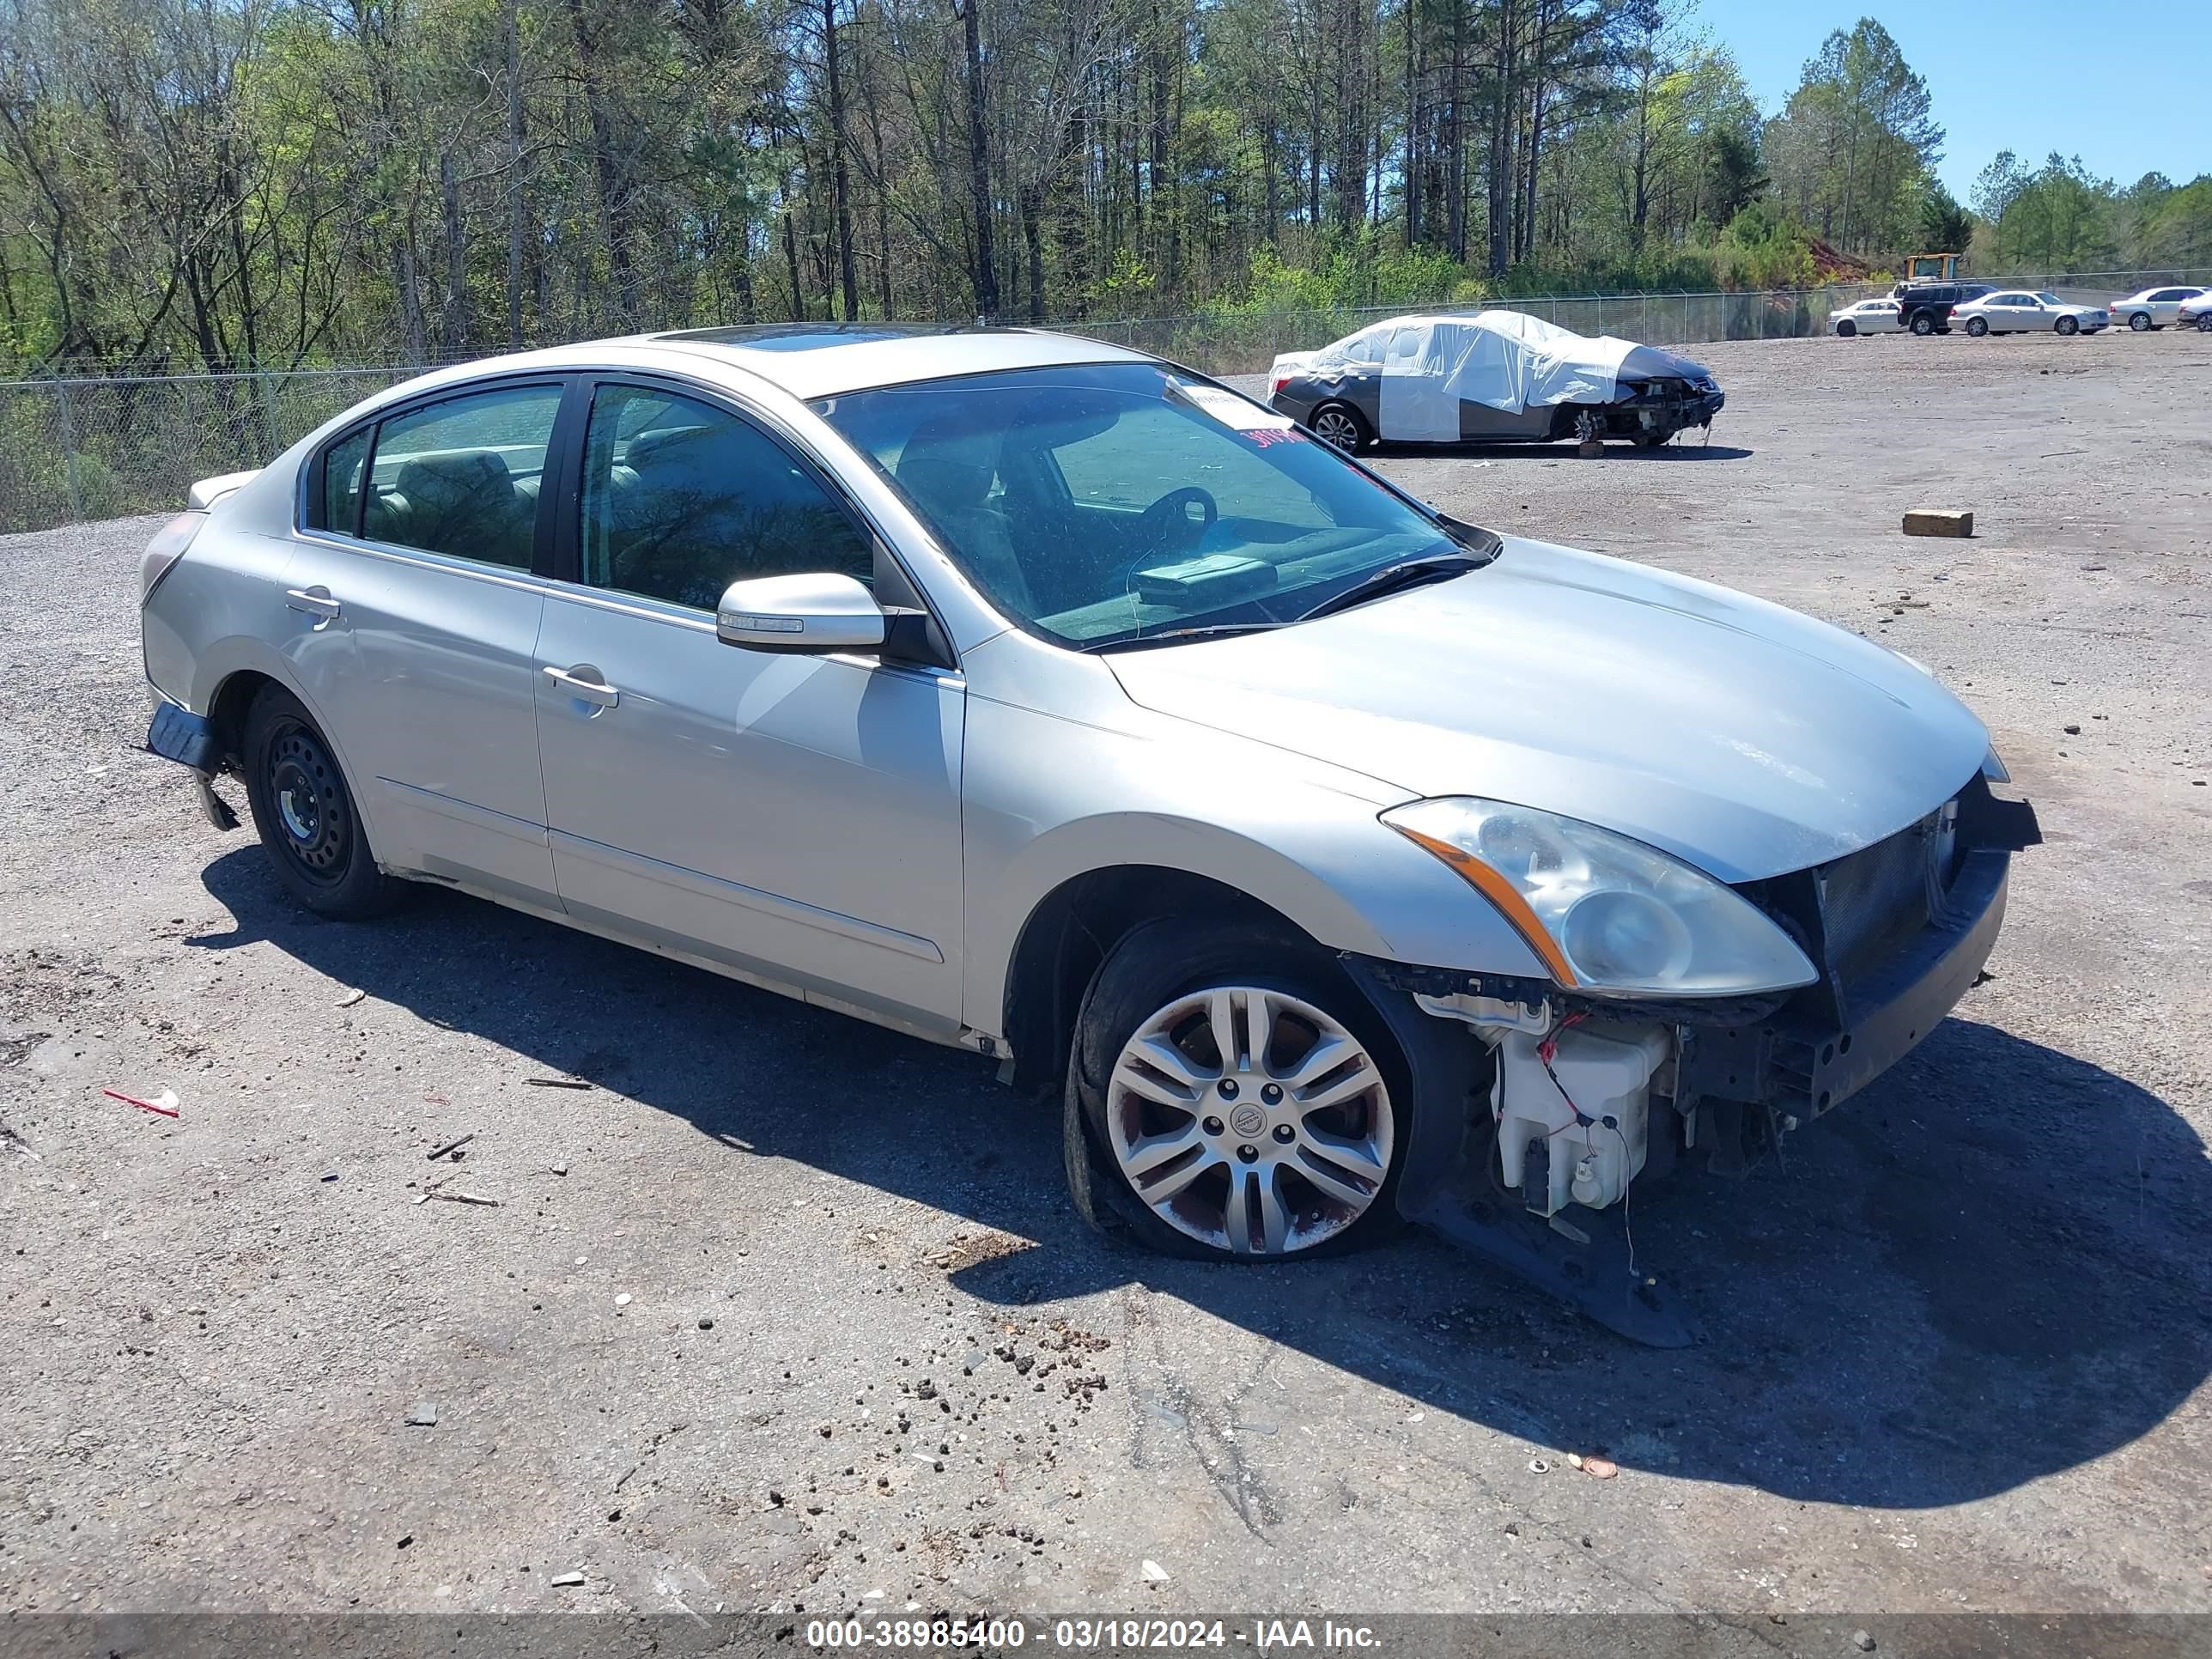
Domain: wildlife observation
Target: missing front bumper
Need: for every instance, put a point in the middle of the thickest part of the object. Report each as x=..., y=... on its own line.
x=1745, y=1071
x=1800, y=1066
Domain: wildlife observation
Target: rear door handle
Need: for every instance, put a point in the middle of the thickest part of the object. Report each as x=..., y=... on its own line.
x=315, y=601
x=571, y=680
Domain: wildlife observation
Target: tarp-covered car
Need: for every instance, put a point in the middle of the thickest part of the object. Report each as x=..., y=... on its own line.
x=1490, y=377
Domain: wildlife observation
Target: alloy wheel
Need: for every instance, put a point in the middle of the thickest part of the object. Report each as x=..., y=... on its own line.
x=2139, y=321
x=1251, y=1121
x=1337, y=427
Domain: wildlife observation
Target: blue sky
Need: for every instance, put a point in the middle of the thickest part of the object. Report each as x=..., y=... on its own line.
x=2054, y=76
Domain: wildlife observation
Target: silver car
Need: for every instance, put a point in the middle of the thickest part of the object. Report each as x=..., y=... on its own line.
x=2152, y=308
x=1335, y=862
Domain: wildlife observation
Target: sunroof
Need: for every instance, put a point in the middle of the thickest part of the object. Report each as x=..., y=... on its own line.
x=803, y=336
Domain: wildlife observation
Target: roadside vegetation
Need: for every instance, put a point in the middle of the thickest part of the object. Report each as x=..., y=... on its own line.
x=225, y=184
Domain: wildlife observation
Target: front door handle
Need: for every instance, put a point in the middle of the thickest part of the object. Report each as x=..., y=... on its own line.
x=573, y=681
x=315, y=601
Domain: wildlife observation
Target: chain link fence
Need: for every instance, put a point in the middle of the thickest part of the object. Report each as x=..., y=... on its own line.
x=73, y=449
x=1230, y=342
x=81, y=449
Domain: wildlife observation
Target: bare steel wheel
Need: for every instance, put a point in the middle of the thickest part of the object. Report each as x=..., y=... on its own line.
x=1251, y=1121
x=1339, y=425
x=1233, y=1095
x=305, y=814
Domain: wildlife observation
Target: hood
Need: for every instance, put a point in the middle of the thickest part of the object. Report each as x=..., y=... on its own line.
x=1656, y=363
x=1740, y=736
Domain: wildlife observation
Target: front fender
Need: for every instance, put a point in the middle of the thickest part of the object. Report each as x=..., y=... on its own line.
x=1048, y=799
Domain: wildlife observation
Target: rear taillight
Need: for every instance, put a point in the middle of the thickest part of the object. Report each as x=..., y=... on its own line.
x=167, y=546
x=1276, y=385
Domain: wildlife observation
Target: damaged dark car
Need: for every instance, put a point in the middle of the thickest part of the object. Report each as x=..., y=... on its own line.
x=1490, y=377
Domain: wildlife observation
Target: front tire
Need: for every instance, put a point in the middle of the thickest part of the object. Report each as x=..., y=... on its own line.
x=2139, y=321
x=1233, y=1096
x=1341, y=427
x=305, y=814
x=1978, y=326
x=2067, y=325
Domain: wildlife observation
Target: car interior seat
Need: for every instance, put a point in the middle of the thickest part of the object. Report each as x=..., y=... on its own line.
x=948, y=470
x=461, y=501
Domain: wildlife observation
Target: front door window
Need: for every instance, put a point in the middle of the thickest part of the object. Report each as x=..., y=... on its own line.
x=681, y=498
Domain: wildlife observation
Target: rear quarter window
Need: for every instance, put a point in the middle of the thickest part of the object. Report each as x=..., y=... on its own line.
x=337, y=504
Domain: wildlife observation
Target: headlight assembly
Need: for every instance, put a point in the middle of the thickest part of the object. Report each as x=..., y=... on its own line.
x=1605, y=913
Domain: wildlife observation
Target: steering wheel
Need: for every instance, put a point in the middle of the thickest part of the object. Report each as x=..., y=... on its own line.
x=1166, y=525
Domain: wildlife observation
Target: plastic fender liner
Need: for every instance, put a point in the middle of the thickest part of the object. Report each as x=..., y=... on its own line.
x=1449, y=1067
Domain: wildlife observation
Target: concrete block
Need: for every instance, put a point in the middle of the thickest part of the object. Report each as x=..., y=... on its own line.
x=1938, y=521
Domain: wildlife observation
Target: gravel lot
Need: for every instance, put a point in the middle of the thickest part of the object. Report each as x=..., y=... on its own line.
x=787, y=1311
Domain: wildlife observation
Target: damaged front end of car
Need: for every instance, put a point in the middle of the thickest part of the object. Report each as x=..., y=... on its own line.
x=1576, y=1095
x=1653, y=411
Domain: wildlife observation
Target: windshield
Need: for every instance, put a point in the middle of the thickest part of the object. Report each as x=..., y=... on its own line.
x=1104, y=502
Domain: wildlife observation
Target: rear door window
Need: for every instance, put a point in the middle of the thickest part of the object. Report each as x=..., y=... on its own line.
x=462, y=477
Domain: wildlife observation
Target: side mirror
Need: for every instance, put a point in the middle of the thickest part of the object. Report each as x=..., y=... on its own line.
x=807, y=613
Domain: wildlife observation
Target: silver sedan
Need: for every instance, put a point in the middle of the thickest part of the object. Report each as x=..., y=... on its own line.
x=2154, y=307
x=1040, y=698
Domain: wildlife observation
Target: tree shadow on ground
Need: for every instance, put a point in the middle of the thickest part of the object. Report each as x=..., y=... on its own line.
x=1990, y=1267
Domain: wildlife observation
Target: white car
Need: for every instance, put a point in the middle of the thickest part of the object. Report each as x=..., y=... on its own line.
x=2154, y=307
x=2196, y=313
x=2021, y=311
x=1866, y=317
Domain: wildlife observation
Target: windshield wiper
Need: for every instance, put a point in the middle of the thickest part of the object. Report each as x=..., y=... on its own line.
x=1182, y=636
x=1395, y=578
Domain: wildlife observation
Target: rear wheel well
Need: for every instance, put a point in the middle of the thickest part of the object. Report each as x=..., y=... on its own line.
x=1072, y=931
x=226, y=711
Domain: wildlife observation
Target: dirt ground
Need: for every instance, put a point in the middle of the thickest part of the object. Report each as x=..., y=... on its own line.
x=787, y=1312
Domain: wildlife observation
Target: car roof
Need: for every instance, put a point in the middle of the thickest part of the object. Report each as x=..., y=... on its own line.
x=804, y=360
x=820, y=360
